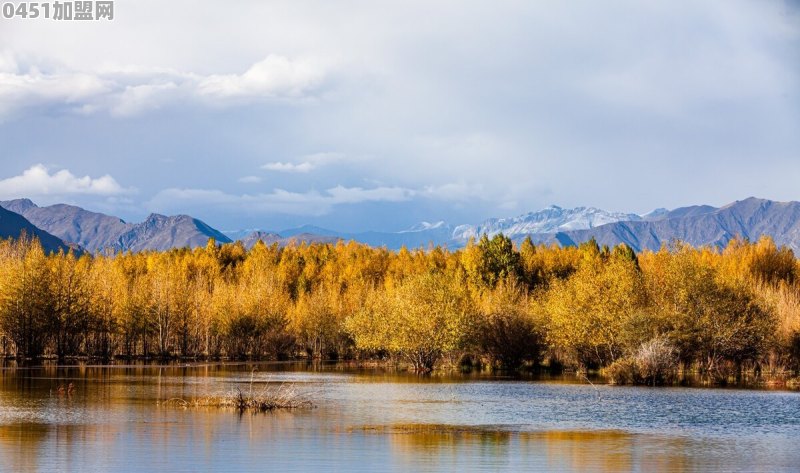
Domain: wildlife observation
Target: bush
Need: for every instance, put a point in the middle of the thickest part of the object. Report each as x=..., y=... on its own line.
x=510, y=339
x=507, y=332
x=655, y=362
x=622, y=371
x=424, y=318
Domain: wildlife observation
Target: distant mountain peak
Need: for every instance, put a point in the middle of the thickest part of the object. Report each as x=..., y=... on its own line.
x=656, y=214
x=699, y=225
x=752, y=201
x=423, y=226
x=95, y=231
x=308, y=230
x=551, y=219
x=19, y=205
x=254, y=237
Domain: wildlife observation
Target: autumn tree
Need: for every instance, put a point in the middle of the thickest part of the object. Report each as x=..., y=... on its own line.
x=710, y=318
x=590, y=311
x=507, y=331
x=491, y=260
x=25, y=303
x=422, y=319
x=70, y=298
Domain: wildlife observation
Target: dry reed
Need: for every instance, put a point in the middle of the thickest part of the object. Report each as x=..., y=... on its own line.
x=268, y=399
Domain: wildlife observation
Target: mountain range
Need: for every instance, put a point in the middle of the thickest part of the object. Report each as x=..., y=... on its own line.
x=697, y=225
x=550, y=220
x=96, y=231
x=63, y=226
x=421, y=234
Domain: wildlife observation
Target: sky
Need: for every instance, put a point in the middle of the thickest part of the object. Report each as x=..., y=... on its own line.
x=371, y=115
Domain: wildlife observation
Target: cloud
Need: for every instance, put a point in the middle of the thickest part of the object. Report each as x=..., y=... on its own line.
x=131, y=90
x=307, y=163
x=457, y=191
x=498, y=109
x=249, y=180
x=289, y=167
x=324, y=158
x=275, y=76
x=34, y=89
x=311, y=203
x=7, y=63
x=140, y=98
x=354, y=195
x=38, y=181
x=674, y=85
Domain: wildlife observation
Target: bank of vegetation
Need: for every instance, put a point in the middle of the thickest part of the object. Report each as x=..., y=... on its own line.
x=640, y=318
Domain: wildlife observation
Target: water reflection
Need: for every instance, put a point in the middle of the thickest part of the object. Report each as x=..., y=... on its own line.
x=116, y=420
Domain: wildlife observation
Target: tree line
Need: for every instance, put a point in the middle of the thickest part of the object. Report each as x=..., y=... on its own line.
x=640, y=317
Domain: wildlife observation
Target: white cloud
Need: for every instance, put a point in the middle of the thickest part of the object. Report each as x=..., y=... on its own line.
x=275, y=76
x=457, y=191
x=140, y=98
x=289, y=167
x=324, y=158
x=250, y=180
x=130, y=90
x=311, y=203
x=307, y=163
x=8, y=63
x=38, y=181
x=35, y=88
x=354, y=195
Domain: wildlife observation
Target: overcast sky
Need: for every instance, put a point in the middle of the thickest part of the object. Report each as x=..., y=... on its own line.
x=362, y=115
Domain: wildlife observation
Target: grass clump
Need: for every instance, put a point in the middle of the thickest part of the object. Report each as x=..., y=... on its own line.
x=266, y=400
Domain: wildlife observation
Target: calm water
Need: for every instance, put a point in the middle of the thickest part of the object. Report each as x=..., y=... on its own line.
x=376, y=421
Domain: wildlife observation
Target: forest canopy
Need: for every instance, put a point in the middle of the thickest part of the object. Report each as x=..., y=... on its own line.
x=492, y=303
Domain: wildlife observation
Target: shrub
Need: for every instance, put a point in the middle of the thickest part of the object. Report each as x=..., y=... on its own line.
x=507, y=332
x=656, y=361
x=622, y=371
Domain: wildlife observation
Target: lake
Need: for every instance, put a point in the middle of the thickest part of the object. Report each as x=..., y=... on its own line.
x=377, y=420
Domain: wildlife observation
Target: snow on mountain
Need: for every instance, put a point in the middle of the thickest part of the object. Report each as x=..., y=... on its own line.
x=656, y=214
x=424, y=226
x=700, y=225
x=550, y=220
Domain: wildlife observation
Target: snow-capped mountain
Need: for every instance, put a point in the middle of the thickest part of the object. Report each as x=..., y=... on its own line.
x=550, y=220
x=657, y=214
x=425, y=226
x=699, y=225
x=547, y=221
